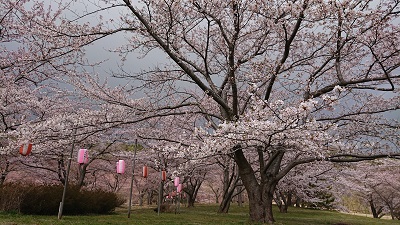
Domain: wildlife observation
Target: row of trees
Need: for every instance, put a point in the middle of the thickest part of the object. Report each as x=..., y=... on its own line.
x=373, y=185
x=273, y=86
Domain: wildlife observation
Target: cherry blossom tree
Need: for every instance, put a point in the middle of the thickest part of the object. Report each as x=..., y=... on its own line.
x=30, y=66
x=38, y=104
x=294, y=82
x=375, y=183
x=273, y=85
x=306, y=184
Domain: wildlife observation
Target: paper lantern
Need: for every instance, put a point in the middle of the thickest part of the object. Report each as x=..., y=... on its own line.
x=121, y=167
x=145, y=172
x=176, y=181
x=83, y=156
x=179, y=188
x=25, y=149
x=163, y=175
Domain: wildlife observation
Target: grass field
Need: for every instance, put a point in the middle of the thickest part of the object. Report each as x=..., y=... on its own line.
x=201, y=214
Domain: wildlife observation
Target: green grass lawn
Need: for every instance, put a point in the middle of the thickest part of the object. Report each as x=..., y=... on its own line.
x=201, y=214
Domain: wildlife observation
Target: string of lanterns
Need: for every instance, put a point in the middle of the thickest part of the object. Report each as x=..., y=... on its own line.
x=83, y=158
x=121, y=170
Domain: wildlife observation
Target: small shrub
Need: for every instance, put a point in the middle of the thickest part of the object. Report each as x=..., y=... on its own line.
x=42, y=200
x=99, y=201
x=45, y=200
x=11, y=195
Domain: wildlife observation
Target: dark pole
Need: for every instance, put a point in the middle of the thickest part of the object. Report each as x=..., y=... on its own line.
x=133, y=170
x=179, y=201
x=160, y=192
x=60, y=209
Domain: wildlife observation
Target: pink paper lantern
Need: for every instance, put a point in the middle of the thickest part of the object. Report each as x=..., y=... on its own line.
x=25, y=149
x=121, y=167
x=145, y=172
x=83, y=156
x=176, y=181
x=179, y=188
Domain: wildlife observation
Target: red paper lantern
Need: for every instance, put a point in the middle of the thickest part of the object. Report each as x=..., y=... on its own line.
x=145, y=172
x=83, y=156
x=25, y=149
x=121, y=167
x=163, y=175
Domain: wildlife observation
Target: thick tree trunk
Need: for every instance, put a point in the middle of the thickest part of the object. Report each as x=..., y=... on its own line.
x=191, y=200
x=373, y=209
x=260, y=203
x=257, y=207
x=376, y=212
x=260, y=195
x=192, y=188
x=192, y=194
x=193, y=185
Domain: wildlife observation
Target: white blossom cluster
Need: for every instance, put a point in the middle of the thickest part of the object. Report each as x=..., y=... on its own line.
x=271, y=124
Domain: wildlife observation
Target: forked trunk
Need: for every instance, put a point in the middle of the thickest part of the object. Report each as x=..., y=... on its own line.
x=260, y=203
x=191, y=200
x=230, y=181
x=283, y=200
x=373, y=209
x=225, y=205
x=260, y=195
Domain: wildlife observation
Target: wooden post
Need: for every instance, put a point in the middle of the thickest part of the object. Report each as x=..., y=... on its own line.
x=61, y=207
x=133, y=172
